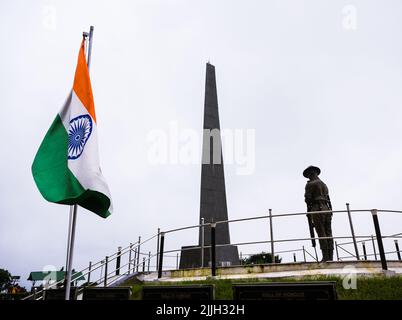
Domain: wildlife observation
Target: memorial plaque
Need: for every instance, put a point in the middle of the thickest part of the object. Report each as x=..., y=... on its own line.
x=109, y=293
x=194, y=292
x=59, y=294
x=317, y=290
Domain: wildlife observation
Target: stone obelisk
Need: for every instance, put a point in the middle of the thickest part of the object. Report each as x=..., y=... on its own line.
x=213, y=207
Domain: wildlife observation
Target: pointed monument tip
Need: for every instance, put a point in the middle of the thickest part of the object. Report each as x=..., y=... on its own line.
x=210, y=64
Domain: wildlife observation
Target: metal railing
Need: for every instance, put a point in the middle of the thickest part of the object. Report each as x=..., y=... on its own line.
x=373, y=240
x=374, y=213
x=135, y=265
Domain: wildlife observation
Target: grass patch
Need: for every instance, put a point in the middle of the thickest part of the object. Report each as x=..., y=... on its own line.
x=368, y=288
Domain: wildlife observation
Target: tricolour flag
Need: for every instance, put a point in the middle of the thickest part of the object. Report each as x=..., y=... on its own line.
x=66, y=167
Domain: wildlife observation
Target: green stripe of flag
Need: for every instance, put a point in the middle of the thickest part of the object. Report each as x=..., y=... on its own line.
x=54, y=179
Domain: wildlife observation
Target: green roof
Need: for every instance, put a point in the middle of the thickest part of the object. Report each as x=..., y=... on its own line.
x=54, y=276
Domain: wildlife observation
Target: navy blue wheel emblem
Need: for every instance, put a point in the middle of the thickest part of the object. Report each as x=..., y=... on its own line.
x=79, y=131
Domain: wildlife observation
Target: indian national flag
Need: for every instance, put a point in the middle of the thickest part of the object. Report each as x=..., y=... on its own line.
x=66, y=168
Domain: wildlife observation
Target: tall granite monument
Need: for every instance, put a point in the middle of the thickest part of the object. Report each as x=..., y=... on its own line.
x=213, y=206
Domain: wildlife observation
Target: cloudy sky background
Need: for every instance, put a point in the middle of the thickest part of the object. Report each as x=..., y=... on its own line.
x=314, y=90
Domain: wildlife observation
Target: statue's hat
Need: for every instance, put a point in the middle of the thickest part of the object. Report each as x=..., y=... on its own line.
x=309, y=169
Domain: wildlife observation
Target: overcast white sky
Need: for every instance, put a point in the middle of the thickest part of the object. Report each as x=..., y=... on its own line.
x=315, y=89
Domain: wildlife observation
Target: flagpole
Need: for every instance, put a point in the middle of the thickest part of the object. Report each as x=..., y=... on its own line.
x=73, y=208
x=70, y=219
x=71, y=251
x=91, y=34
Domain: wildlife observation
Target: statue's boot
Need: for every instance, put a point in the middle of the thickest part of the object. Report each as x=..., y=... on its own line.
x=330, y=255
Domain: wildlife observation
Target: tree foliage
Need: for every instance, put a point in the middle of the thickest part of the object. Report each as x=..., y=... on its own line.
x=261, y=258
x=5, y=279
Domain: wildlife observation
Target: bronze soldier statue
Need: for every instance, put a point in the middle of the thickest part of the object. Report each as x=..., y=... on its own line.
x=317, y=199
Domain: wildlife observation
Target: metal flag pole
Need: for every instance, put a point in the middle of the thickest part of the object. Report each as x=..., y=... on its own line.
x=70, y=253
x=73, y=209
x=70, y=219
x=91, y=34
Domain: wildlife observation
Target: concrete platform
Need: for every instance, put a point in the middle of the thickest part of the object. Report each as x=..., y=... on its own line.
x=280, y=270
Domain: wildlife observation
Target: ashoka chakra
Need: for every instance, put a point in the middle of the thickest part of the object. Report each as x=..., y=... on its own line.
x=79, y=131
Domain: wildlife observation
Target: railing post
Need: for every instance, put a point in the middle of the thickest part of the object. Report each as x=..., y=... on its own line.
x=213, y=254
x=105, y=279
x=379, y=239
x=157, y=249
x=294, y=257
x=139, y=252
x=272, y=236
x=118, y=258
x=177, y=261
x=364, y=250
x=129, y=258
x=336, y=250
x=398, y=252
x=160, y=261
x=304, y=254
x=89, y=272
x=202, y=242
x=149, y=259
x=135, y=259
x=241, y=258
x=353, y=232
x=143, y=265
x=34, y=293
x=375, y=252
